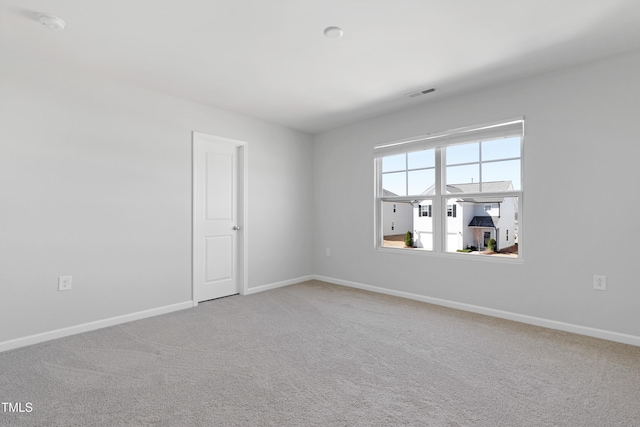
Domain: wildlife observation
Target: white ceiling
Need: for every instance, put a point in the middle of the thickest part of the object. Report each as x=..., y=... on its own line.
x=269, y=59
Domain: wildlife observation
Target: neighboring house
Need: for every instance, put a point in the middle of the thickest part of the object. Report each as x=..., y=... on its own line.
x=398, y=216
x=471, y=221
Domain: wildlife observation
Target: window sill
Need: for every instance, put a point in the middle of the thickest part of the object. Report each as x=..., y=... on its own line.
x=501, y=259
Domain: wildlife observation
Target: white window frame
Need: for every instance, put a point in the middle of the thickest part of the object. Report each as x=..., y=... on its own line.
x=439, y=142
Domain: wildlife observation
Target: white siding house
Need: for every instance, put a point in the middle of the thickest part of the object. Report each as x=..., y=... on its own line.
x=471, y=221
x=423, y=223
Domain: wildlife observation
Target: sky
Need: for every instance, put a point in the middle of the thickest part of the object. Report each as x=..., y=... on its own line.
x=412, y=173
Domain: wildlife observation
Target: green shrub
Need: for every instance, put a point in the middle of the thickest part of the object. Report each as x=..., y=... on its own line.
x=408, y=239
x=493, y=245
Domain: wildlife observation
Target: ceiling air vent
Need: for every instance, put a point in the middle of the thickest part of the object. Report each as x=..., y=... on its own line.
x=420, y=92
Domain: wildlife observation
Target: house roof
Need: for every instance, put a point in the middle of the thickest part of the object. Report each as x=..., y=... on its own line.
x=471, y=187
x=487, y=187
x=481, y=199
x=474, y=187
x=482, y=221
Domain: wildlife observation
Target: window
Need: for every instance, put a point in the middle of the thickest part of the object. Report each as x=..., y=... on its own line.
x=462, y=185
x=424, y=210
x=394, y=207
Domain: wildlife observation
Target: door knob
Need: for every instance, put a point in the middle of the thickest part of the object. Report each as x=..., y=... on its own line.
x=236, y=227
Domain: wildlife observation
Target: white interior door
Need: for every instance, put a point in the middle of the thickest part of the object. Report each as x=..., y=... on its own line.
x=216, y=218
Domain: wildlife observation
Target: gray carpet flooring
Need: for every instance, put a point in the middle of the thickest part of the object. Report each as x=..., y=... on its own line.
x=315, y=354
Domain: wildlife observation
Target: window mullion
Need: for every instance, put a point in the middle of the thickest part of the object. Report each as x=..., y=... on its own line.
x=406, y=173
x=480, y=181
x=378, y=239
x=438, y=218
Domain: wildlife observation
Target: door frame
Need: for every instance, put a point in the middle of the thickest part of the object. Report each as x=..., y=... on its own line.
x=243, y=204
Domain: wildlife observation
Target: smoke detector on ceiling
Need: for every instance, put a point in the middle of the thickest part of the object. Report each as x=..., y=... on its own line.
x=51, y=22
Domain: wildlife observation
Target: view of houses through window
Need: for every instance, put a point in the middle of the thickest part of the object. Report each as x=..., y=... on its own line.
x=462, y=198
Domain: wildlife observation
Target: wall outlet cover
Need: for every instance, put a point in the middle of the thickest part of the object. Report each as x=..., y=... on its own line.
x=64, y=283
x=599, y=282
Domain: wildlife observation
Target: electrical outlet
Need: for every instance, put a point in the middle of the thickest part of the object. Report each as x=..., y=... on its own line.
x=64, y=283
x=327, y=251
x=599, y=282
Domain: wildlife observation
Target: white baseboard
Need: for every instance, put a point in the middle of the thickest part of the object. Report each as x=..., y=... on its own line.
x=91, y=326
x=537, y=321
x=531, y=320
x=276, y=285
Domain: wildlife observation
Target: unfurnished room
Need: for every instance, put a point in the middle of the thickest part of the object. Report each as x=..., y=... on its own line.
x=319, y=213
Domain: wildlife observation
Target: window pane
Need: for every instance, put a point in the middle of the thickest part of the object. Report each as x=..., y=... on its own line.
x=407, y=218
x=473, y=227
x=466, y=177
x=395, y=182
x=422, y=159
x=465, y=153
x=501, y=149
x=396, y=222
x=501, y=176
x=421, y=180
x=394, y=163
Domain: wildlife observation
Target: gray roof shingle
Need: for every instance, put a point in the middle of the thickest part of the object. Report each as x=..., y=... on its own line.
x=482, y=221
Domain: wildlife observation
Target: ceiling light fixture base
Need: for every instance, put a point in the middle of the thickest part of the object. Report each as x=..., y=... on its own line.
x=333, y=32
x=51, y=22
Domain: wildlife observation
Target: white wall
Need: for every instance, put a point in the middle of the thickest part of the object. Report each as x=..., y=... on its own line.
x=581, y=140
x=95, y=181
